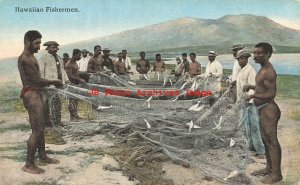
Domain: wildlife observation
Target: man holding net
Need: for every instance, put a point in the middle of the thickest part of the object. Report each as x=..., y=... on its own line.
x=269, y=112
x=250, y=115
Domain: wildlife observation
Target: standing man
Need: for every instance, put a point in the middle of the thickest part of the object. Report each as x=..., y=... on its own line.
x=72, y=70
x=195, y=67
x=51, y=67
x=31, y=95
x=179, y=70
x=186, y=63
x=235, y=70
x=107, y=61
x=120, y=67
x=95, y=64
x=83, y=65
x=214, y=70
x=83, y=62
x=250, y=116
x=143, y=66
x=126, y=59
x=159, y=67
x=269, y=112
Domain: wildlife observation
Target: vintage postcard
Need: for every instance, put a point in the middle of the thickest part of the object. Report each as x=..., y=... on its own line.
x=149, y=92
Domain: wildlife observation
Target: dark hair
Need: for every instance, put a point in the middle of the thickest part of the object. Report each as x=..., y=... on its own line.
x=267, y=48
x=97, y=46
x=193, y=54
x=184, y=54
x=66, y=55
x=120, y=54
x=75, y=52
x=124, y=50
x=142, y=52
x=32, y=35
x=158, y=54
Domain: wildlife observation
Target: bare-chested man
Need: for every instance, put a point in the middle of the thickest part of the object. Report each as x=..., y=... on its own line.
x=143, y=65
x=95, y=64
x=194, y=67
x=159, y=65
x=269, y=112
x=120, y=65
x=31, y=95
x=72, y=70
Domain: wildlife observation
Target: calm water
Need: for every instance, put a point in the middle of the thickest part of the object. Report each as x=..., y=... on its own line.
x=283, y=63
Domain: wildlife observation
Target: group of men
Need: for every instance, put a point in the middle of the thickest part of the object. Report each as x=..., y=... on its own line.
x=261, y=113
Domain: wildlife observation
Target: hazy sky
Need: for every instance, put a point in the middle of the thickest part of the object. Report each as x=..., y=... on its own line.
x=103, y=17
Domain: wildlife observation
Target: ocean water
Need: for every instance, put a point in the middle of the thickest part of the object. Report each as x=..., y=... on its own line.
x=283, y=63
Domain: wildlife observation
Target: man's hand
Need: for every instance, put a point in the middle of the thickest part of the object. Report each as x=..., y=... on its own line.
x=56, y=83
x=81, y=81
x=210, y=74
x=249, y=97
x=246, y=88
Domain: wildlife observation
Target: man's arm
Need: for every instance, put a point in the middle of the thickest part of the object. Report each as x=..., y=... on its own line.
x=34, y=75
x=90, y=68
x=117, y=68
x=270, y=85
x=71, y=76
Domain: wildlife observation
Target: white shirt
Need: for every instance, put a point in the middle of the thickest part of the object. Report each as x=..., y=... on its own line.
x=127, y=62
x=245, y=77
x=216, y=69
x=235, y=70
x=83, y=63
x=48, y=67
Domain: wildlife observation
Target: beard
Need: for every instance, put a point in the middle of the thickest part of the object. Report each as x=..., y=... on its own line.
x=33, y=49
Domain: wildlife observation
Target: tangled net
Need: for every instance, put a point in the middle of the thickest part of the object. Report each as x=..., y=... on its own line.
x=206, y=132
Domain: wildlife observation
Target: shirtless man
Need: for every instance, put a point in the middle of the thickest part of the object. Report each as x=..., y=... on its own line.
x=72, y=70
x=269, y=112
x=120, y=65
x=31, y=95
x=159, y=65
x=195, y=67
x=95, y=64
x=143, y=65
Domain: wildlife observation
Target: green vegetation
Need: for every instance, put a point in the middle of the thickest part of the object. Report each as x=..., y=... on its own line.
x=288, y=86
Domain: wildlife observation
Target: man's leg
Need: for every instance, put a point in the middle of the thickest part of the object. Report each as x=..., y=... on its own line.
x=270, y=115
x=255, y=131
x=45, y=101
x=33, y=104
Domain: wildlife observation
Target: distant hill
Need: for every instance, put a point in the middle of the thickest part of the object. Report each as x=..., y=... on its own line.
x=193, y=32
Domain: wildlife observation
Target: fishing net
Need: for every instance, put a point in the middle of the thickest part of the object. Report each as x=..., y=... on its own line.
x=204, y=131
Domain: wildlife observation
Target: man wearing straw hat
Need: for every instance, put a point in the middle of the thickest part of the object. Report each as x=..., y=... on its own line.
x=250, y=116
x=51, y=68
x=214, y=70
x=236, y=69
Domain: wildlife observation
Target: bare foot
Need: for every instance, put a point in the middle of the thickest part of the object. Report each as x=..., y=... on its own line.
x=49, y=160
x=33, y=169
x=262, y=172
x=271, y=179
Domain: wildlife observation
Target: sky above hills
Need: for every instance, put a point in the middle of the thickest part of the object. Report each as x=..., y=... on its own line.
x=103, y=17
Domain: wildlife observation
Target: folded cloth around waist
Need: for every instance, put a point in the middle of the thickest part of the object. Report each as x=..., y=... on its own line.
x=26, y=89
